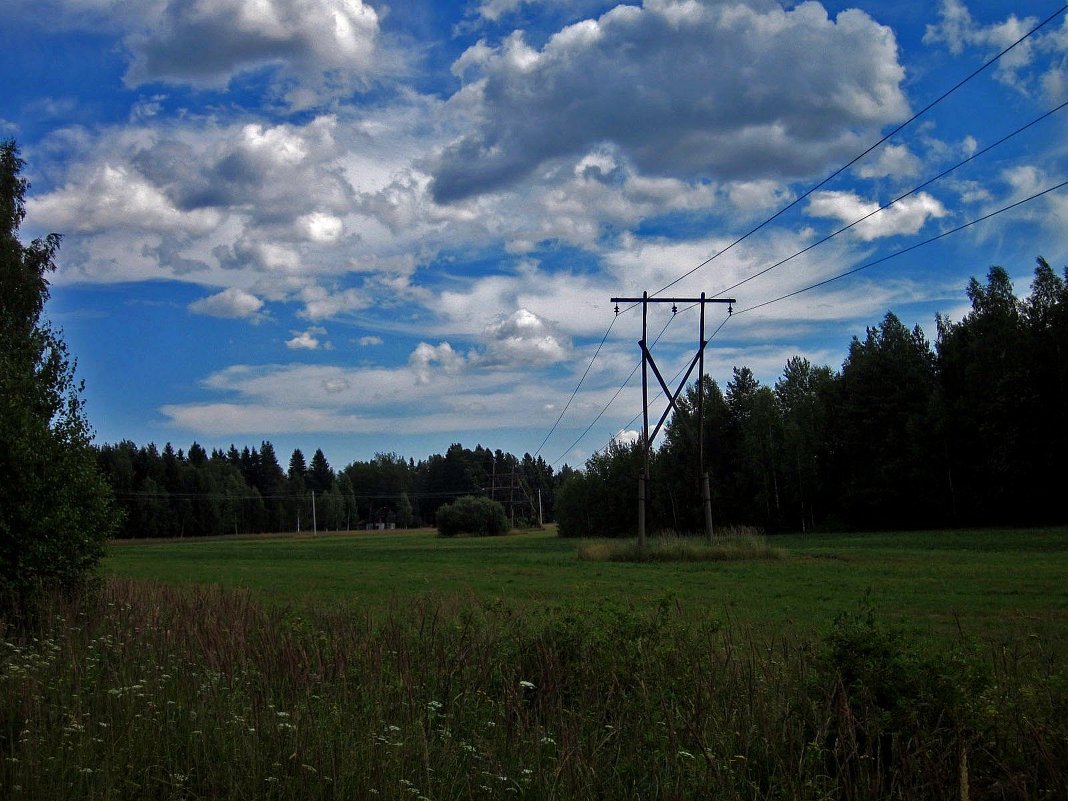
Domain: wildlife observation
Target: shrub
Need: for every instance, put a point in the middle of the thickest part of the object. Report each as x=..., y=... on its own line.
x=471, y=515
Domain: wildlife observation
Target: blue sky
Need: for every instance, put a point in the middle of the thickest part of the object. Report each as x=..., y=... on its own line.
x=374, y=227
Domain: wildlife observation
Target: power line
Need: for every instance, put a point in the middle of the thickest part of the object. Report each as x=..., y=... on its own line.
x=906, y=250
x=658, y=395
x=911, y=192
x=613, y=398
x=808, y=193
x=882, y=141
x=577, y=386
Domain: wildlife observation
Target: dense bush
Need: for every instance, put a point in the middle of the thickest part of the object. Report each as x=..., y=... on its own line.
x=471, y=515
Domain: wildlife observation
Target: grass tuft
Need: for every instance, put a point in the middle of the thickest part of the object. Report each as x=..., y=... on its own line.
x=735, y=544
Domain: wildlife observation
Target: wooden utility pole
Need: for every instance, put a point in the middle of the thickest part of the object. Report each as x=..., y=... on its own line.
x=672, y=396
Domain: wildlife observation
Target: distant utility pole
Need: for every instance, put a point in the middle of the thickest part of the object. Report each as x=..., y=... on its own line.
x=698, y=361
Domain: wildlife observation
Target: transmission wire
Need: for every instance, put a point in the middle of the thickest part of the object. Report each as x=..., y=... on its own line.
x=882, y=141
x=913, y=191
x=906, y=250
x=577, y=386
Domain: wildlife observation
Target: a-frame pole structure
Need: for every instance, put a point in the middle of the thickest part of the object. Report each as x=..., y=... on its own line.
x=648, y=363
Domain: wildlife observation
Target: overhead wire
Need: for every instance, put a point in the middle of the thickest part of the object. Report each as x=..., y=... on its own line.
x=994, y=59
x=910, y=248
x=898, y=199
x=618, y=391
x=857, y=158
x=577, y=386
x=656, y=397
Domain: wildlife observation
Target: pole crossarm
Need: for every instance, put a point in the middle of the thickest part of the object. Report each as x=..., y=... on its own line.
x=672, y=300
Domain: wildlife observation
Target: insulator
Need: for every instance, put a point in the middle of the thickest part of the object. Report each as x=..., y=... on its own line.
x=617, y=309
x=674, y=309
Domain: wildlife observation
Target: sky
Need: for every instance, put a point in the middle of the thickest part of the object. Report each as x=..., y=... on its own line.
x=388, y=227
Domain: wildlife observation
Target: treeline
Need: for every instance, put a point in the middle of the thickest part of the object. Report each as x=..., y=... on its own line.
x=173, y=493
x=971, y=431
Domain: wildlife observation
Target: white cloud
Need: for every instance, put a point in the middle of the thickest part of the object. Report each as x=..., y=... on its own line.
x=523, y=339
x=231, y=303
x=321, y=304
x=958, y=29
x=308, y=340
x=906, y=216
x=661, y=83
x=207, y=44
x=324, y=398
x=895, y=161
x=320, y=227
x=117, y=196
x=369, y=341
x=427, y=359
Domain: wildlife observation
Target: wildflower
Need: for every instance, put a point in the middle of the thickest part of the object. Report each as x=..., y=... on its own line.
x=526, y=685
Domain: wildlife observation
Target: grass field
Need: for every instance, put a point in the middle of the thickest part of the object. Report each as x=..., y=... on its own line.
x=985, y=581
x=407, y=667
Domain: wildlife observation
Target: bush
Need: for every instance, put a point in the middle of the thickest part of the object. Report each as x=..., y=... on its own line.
x=471, y=515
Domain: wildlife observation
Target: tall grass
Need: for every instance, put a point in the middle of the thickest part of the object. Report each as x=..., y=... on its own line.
x=147, y=691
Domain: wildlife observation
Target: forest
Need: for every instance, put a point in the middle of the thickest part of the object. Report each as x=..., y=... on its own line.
x=966, y=431
x=174, y=493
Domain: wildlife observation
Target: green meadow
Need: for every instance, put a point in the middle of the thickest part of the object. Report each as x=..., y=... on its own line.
x=404, y=666
x=981, y=581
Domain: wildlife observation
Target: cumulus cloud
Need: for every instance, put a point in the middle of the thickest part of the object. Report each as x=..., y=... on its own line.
x=369, y=341
x=427, y=359
x=896, y=161
x=523, y=339
x=321, y=304
x=207, y=44
x=232, y=303
x=662, y=83
x=957, y=30
x=308, y=340
x=117, y=196
x=906, y=216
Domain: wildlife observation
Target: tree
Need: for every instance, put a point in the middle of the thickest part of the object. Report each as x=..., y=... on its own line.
x=887, y=458
x=298, y=470
x=805, y=394
x=320, y=474
x=56, y=510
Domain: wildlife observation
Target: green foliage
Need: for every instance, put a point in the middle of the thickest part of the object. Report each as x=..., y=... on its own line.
x=55, y=509
x=602, y=501
x=971, y=433
x=152, y=691
x=471, y=515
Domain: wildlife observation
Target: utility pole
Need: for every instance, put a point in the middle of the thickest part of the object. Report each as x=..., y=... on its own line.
x=315, y=528
x=672, y=396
